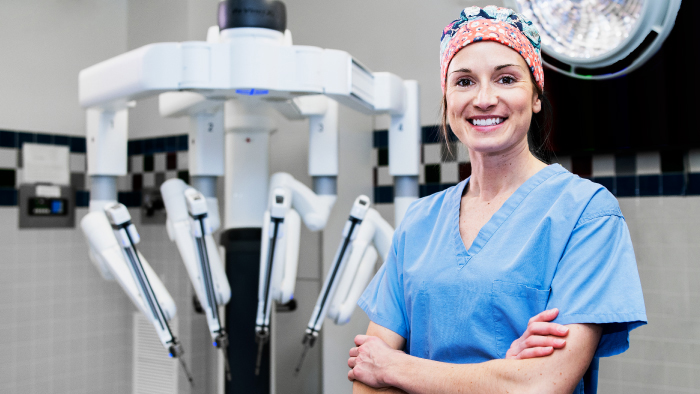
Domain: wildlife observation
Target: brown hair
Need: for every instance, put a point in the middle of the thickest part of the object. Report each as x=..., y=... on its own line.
x=537, y=135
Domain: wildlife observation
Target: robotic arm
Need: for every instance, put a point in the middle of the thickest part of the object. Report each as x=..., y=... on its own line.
x=113, y=239
x=353, y=266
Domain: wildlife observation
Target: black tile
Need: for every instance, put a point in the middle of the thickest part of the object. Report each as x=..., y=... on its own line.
x=77, y=180
x=430, y=134
x=159, y=145
x=82, y=198
x=78, y=145
x=184, y=176
x=8, y=139
x=382, y=157
x=465, y=171
x=130, y=199
x=626, y=164
x=182, y=142
x=62, y=140
x=137, y=182
x=148, y=148
x=672, y=161
x=608, y=182
x=626, y=186
x=25, y=137
x=673, y=184
x=432, y=173
x=148, y=163
x=160, y=178
x=383, y=194
x=374, y=177
x=380, y=139
x=649, y=185
x=44, y=139
x=582, y=165
x=693, y=184
x=8, y=178
x=171, y=144
x=426, y=190
x=8, y=197
x=135, y=147
x=171, y=161
x=444, y=186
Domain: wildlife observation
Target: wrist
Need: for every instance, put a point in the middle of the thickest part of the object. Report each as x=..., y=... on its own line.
x=393, y=374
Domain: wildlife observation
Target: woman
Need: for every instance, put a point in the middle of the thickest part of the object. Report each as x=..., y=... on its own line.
x=470, y=265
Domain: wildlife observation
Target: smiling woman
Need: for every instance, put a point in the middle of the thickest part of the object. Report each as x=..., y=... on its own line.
x=452, y=307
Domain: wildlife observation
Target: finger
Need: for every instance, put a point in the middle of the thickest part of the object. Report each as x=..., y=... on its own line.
x=544, y=316
x=540, y=328
x=351, y=375
x=354, y=352
x=535, y=352
x=360, y=339
x=352, y=361
x=539, y=341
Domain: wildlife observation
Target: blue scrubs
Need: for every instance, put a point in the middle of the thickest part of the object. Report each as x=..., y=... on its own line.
x=558, y=242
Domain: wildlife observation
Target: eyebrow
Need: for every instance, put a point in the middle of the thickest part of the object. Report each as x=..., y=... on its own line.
x=497, y=68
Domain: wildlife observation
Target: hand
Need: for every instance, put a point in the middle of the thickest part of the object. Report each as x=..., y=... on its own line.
x=539, y=340
x=370, y=361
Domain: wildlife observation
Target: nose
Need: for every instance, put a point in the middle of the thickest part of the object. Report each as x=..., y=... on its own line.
x=485, y=97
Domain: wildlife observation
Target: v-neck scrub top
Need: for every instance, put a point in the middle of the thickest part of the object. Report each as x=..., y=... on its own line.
x=559, y=241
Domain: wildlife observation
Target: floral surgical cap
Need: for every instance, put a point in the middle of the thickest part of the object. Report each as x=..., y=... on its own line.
x=492, y=23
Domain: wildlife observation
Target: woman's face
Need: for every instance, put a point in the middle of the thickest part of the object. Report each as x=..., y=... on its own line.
x=490, y=97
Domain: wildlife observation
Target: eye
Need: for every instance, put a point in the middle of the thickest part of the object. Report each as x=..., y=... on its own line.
x=506, y=80
x=464, y=82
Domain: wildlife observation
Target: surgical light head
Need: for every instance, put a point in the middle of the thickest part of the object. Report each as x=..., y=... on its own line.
x=252, y=13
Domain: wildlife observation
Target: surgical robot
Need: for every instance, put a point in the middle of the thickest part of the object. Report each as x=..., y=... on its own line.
x=242, y=74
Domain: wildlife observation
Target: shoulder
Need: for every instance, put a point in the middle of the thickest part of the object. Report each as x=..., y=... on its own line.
x=428, y=209
x=591, y=200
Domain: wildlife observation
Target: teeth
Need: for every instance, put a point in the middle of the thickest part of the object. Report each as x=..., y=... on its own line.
x=487, y=122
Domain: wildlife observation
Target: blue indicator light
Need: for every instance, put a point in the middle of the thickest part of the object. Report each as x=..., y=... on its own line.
x=170, y=354
x=56, y=206
x=215, y=344
x=252, y=92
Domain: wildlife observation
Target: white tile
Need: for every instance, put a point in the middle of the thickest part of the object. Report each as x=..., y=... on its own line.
x=170, y=175
x=449, y=172
x=124, y=183
x=8, y=158
x=694, y=160
x=136, y=164
x=432, y=153
x=382, y=122
x=374, y=159
x=19, y=177
x=149, y=179
x=462, y=153
x=383, y=176
x=77, y=162
x=159, y=162
x=564, y=161
x=648, y=163
x=603, y=165
x=421, y=174
x=182, y=163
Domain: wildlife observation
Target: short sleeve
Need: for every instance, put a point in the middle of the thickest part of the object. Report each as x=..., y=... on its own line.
x=597, y=282
x=383, y=300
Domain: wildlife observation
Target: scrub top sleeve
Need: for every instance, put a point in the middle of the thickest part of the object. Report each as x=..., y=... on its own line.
x=597, y=282
x=383, y=300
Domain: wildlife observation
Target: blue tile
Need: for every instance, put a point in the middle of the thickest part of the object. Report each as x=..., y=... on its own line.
x=8, y=139
x=134, y=147
x=148, y=148
x=649, y=185
x=673, y=184
x=61, y=140
x=171, y=144
x=8, y=197
x=444, y=186
x=626, y=186
x=380, y=139
x=182, y=142
x=44, y=139
x=384, y=194
x=159, y=144
x=130, y=199
x=25, y=137
x=78, y=145
x=693, y=187
x=82, y=198
x=426, y=190
x=607, y=182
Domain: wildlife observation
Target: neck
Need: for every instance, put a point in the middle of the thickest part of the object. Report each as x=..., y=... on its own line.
x=503, y=172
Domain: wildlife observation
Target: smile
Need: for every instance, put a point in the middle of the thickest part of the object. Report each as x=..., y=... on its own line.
x=487, y=122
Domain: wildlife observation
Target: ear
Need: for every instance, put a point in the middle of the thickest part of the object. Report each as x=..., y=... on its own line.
x=536, y=105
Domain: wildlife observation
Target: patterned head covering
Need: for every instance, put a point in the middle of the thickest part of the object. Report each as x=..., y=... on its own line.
x=492, y=23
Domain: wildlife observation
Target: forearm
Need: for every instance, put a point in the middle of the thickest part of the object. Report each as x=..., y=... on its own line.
x=421, y=376
x=361, y=388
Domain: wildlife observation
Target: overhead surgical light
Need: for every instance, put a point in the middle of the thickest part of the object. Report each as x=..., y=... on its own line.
x=599, y=39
